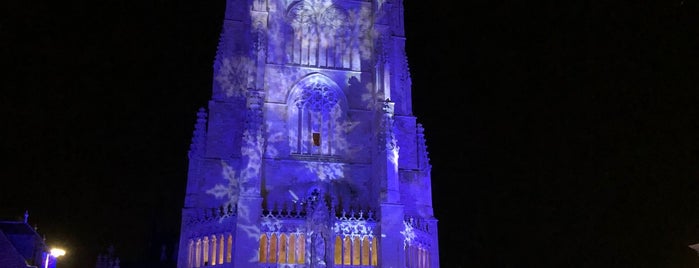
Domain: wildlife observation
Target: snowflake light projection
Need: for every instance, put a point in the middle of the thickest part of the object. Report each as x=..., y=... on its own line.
x=408, y=233
x=228, y=191
x=310, y=108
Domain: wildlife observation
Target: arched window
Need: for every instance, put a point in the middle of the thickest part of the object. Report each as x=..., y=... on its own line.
x=316, y=116
x=213, y=249
x=282, y=248
x=190, y=255
x=292, y=248
x=347, y=248
x=229, y=247
x=197, y=257
x=374, y=255
x=338, y=250
x=221, y=240
x=273, y=249
x=355, y=250
x=365, y=251
x=263, y=248
x=320, y=36
x=301, y=249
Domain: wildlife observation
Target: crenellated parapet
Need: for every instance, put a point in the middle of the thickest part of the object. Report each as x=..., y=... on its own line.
x=423, y=154
x=210, y=215
x=418, y=223
x=356, y=223
x=294, y=211
x=348, y=223
x=299, y=210
x=402, y=91
x=198, y=146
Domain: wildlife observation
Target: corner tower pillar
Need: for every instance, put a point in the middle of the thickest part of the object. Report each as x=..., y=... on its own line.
x=391, y=247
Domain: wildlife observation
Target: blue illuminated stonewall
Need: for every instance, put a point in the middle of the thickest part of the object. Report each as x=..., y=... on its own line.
x=308, y=153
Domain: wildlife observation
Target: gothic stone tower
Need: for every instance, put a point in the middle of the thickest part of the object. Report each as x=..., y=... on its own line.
x=308, y=154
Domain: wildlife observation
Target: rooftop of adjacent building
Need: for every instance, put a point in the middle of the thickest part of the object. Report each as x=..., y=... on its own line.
x=18, y=243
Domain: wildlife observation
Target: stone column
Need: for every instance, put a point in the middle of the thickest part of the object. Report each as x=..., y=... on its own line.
x=391, y=244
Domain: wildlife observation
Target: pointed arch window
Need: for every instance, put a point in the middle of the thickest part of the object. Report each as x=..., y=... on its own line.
x=321, y=36
x=315, y=117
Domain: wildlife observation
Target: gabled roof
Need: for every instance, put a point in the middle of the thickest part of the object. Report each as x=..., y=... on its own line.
x=9, y=256
x=17, y=228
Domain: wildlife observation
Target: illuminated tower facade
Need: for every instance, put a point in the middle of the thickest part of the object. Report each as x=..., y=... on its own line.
x=308, y=154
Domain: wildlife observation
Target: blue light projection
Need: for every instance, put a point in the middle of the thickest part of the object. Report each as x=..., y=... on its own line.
x=326, y=171
x=408, y=233
x=233, y=76
x=308, y=154
x=227, y=191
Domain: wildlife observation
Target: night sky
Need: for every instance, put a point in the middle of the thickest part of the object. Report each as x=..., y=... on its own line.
x=560, y=133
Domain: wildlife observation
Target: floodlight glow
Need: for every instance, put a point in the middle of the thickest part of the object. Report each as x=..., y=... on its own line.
x=57, y=252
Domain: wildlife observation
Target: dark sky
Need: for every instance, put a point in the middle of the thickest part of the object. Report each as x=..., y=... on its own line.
x=561, y=134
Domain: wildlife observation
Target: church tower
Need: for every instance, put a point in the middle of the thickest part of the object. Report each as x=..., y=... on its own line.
x=308, y=153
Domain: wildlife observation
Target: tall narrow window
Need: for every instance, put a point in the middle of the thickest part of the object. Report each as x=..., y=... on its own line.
x=282, y=248
x=205, y=251
x=365, y=251
x=213, y=250
x=273, y=249
x=190, y=256
x=315, y=115
x=338, y=250
x=316, y=107
x=301, y=249
x=374, y=258
x=355, y=250
x=347, y=248
x=229, y=246
x=197, y=258
x=292, y=248
x=263, y=248
x=221, y=240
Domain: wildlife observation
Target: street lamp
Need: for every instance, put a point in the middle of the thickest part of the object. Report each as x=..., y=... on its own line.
x=52, y=255
x=57, y=252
